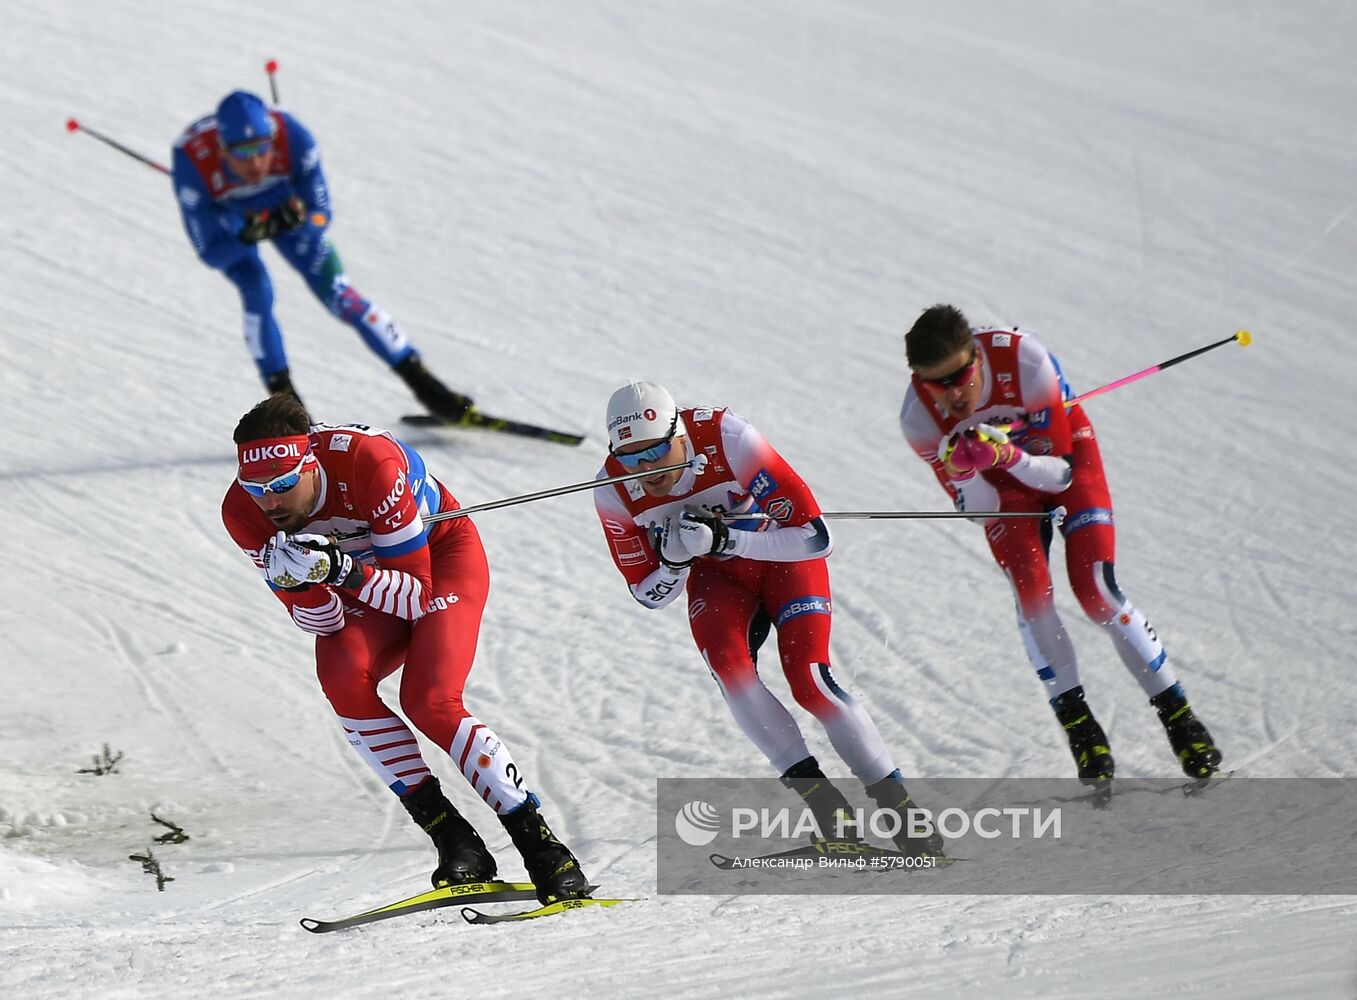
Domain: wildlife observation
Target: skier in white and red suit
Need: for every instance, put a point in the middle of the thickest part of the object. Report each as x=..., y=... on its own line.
x=674, y=531
x=966, y=382
x=391, y=591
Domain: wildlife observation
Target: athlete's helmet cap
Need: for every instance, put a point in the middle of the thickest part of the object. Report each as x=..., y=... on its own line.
x=641, y=411
x=242, y=117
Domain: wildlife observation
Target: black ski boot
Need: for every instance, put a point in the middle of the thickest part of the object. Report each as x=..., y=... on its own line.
x=889, y=793
x=1188, y=737
x=462, y=856
x=833, y=815
x=280, y=384
x=1088, y=742
x=432, y=394
x=551, y=866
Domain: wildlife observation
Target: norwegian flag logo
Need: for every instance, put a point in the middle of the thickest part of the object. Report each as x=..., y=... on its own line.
x=630, y=551
x=623, y=433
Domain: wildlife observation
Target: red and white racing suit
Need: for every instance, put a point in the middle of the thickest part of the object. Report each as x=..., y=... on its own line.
x=776, y=576
x=1060, y=466
x=420, y=604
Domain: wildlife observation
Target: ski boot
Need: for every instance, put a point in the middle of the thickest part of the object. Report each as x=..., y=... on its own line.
x=551, y=866
x=1188, y=737
x=432, y=394
x=280, y=384
x=1088, y=742
x=462, y=856
x=833, y=815
x=889, y=793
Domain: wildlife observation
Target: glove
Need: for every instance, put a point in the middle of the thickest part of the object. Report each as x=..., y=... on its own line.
x=669, y=545
x=269, y=222
x=259, y=226
x=295, y=561
x=704, y=535
x=291, y=214
x=983, y=450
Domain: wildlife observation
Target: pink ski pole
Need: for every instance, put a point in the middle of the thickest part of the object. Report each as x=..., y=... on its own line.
x=1242, y=336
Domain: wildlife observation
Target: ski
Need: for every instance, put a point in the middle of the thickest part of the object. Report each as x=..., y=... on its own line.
x=473, y=916
x=448, y=895
x=835, y=853
x=1198, y=785
x=476, y=420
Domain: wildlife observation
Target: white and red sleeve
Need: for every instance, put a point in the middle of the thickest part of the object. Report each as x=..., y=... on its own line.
x=923, y=437
x=1046, y=439
x=403, y=578
x=796, y=531
x=653, y=584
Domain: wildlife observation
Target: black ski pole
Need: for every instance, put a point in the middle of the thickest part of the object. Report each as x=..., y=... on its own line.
x=74, y=126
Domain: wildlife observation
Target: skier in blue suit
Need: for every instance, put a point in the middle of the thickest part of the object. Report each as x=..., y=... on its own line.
x=250, y=174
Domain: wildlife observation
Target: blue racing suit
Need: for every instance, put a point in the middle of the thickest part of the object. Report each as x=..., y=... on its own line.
x=215, y=203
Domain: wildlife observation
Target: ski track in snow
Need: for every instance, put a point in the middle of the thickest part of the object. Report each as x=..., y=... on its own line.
x=749, y=202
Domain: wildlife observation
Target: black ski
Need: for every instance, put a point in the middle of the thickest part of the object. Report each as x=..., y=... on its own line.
x=850, y=854
x=1101, y=794
x=476, y=420
x=448, y=895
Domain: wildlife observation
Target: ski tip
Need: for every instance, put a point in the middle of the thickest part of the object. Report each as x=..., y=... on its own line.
x=311, y=925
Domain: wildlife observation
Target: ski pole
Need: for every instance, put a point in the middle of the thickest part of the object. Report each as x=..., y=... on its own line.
x=592, y=484
x=74, y=126
x=271, y=68
x=1056, y=515
x=1242, y=336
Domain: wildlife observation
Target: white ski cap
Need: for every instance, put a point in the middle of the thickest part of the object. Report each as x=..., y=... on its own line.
x=641, y=411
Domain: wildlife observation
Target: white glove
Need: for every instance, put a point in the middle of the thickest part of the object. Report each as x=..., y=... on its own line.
x=297, y=560
x=703, y=535
x=669, y=544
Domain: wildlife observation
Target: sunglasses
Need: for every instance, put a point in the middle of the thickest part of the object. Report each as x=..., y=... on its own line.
x=652, y=454
x=249, y=150
x=634, y=460
x=278, y=484
x=962, y=376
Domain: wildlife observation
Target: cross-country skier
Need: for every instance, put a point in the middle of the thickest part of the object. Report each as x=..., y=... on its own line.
x=391, y=592
x=964, y=383
x=249, y=174
x=667, y=535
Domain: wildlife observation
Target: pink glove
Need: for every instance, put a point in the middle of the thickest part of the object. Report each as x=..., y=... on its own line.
x=966, y=454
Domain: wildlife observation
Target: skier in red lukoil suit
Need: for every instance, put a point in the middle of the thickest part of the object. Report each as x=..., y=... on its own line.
x=391, y=591
x=675, y=531
x=986, y=410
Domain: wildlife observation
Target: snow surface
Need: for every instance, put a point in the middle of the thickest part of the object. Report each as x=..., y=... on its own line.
x=750, y=202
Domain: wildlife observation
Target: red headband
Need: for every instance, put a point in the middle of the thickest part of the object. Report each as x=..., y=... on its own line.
x=270, y=457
